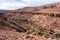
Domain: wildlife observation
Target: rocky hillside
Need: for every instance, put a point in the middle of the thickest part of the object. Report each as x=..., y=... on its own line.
x=45, y=16
x=42, y=22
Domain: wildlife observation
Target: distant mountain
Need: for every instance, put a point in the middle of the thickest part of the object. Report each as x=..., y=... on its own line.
x=4, y=11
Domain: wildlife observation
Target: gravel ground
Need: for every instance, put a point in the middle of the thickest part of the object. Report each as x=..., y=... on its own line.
x=12, y=35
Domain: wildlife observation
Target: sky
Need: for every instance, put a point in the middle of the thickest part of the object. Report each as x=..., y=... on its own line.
x=15, y=4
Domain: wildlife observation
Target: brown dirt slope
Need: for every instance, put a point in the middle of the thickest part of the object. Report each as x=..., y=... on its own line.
x=30, y=23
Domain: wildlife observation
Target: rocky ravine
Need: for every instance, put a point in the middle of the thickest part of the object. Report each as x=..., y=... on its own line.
x=31, y=23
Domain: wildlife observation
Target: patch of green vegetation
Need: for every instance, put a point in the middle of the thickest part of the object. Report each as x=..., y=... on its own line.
x=30, y=28
x=57, y=35
x=41, y=31
x=21, y=21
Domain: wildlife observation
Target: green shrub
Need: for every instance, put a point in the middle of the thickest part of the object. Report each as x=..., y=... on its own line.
x=30, y=28
x=57, y=35
x=43, y=33
x=21, y=21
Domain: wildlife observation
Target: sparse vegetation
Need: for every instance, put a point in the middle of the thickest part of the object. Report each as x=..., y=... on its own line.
x=29, y=27
x=26, y=24
x=35, y=28
x=57, y=35
x=43, y=33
